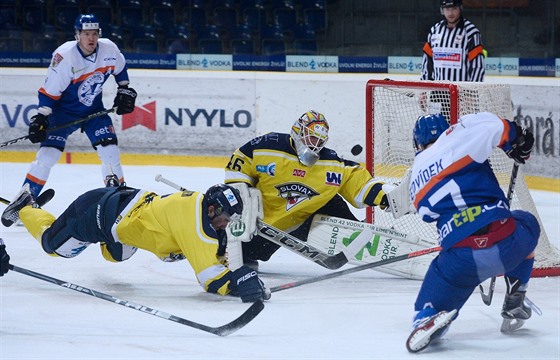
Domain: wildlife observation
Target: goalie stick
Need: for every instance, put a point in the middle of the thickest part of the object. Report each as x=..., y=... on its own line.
x=355, y=269
x=81, y=120
x=223, y=330
x=292, y=243
x=487, y=297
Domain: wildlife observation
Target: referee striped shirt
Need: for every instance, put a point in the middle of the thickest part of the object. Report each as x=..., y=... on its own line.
x=453, y=54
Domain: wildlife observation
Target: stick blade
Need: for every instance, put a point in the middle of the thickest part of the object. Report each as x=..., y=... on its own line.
x=241, y=321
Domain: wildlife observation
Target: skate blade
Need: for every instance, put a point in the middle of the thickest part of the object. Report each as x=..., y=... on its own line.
x=510, y=325
x=423, y=336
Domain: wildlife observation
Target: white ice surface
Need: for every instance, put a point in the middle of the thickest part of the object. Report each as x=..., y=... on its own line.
x=365, y=315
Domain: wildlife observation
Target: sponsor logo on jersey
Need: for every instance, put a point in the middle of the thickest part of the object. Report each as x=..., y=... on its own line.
x=333, y=178
x=299, y=173
x=447, y=57
x=57, y=58
x=74, y=71
x=144, y=115
x=269, y=169
x=267, y=137
x=468, y=216
x=295, y=193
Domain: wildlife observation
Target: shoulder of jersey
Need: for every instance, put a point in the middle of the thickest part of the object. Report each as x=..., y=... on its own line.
x=106, y=42
x=273, y=141
x=65, y=48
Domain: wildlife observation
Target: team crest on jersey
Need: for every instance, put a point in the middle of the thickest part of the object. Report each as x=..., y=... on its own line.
x=295, y=193
x=333, y=178
x=299, y=172
x=90, y=88
x=269, y=169
x=57, y=58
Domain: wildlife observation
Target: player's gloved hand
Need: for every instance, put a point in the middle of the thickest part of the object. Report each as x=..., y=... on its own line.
x=246, y=284
x=38, y=128
x=4, y=259
x=125, y=100
x=522, y=145
x=380, y=198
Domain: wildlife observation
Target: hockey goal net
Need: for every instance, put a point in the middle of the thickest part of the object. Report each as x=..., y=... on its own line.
x=392, y=108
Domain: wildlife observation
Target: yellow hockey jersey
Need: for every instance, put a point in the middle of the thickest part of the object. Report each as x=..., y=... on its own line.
x=175, y=227
x=291, y=191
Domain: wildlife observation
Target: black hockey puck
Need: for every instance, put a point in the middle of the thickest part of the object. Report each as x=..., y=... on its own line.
x=356, y=150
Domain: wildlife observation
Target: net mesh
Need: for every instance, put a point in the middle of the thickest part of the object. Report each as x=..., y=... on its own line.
x=392, y=110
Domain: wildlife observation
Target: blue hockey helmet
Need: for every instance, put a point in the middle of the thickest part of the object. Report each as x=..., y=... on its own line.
x=427, y=130
x=225, y=199
x=86, y=22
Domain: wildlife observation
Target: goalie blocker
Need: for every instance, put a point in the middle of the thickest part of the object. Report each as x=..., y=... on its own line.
x=244, y=229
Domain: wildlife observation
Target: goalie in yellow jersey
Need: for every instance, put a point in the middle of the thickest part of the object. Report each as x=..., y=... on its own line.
x=285, y=179
x=184, y=225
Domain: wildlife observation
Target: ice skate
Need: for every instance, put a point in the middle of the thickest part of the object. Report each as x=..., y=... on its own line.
x=22, y=199
x=428, y=330
x=112, y=181
x=514, y=312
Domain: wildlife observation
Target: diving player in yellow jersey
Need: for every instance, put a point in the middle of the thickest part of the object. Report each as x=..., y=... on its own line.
x=185, y=225
x=299, y=177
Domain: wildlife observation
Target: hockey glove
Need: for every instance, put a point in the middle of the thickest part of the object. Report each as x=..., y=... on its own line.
x=246, y=284
x=522, y=145
x=125, y=100
x=4, y=259
x=38, y=128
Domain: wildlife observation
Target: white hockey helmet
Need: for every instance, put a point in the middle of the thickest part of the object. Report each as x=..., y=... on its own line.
x=310, y=134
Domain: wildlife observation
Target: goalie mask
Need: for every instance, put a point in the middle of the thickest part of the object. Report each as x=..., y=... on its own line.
x=310, y=134
x=427, y=130
x=226, y=201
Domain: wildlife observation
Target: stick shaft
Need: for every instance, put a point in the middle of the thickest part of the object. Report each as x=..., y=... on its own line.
x=355, y=269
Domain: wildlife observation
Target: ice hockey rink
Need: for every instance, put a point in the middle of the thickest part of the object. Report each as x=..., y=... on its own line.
x=366, y=315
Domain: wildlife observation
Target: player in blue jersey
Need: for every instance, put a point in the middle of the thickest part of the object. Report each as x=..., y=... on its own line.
x=452, y=184
x=73, y=89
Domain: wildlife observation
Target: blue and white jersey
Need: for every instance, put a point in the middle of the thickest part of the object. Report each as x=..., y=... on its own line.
x=74, y=83
x=452, y=181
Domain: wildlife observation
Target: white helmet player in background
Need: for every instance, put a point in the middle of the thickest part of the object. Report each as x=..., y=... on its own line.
x=310, y=134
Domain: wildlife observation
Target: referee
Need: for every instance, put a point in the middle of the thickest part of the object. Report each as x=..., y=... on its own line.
x=453, y=50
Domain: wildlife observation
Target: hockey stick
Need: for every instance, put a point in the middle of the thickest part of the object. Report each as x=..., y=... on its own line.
x=223, y=330
x=487, y=297
x=89, y=117
x=355, y=269
x=41, y=200
x=289, y=241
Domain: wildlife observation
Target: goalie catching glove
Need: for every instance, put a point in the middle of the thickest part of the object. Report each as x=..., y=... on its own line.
x=246, y=284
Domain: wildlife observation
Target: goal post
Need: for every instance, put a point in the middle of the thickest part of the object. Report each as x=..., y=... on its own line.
x=392, y=108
